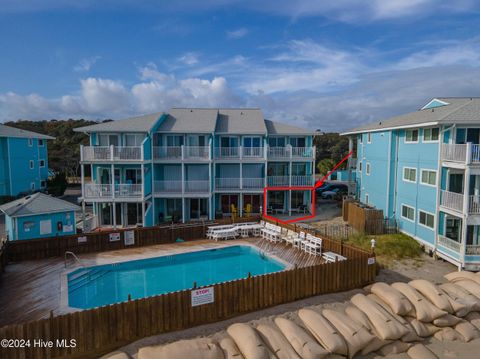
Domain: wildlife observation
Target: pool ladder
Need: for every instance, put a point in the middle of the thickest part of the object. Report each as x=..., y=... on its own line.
x=74, y=256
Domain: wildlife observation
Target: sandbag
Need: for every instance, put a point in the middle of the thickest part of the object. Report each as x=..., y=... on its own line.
x=434, y=294
x=203, y=348
x=470, y=286
x=115, y=355
x=323, y=331
x=386, y=327
x=249, y=342
x=420, y=351
x=448, y=334
x=424, y=310
x=423, y=330
x=230, y=349
x=467, y=330
x=396, y=347
x=456, y=276
x=447, y=320
x=474, y=318
x=356, y=336
x=460, y=307
x=462, y=295
x=305, y=346
x=277, y=342
x=399, y=304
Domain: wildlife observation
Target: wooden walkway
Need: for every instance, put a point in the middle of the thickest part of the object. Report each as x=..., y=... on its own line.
x=30, y=290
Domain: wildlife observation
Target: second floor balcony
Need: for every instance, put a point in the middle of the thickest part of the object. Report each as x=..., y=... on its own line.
x=109, y=191
x=456, y=201
x=289, y=152
x=179, y=187
x=178, y=153
x=468, y=153
x=300, y=181
x=111, y=153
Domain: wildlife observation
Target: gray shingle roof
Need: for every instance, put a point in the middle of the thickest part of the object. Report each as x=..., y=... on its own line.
x=241, y=121
x=280, y=128
x=7, y=131
x=190, y=120
x=458, y=110
x=37, y=203
x=133, y=124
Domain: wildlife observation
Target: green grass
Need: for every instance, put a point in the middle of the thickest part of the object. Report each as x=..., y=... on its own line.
x=389, y=247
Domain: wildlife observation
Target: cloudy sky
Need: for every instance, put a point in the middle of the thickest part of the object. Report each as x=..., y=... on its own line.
x=327, y=65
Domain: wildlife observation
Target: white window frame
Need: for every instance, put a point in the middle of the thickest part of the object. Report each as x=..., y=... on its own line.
x=31, y=164
x=40, y=163
x=428, y=213
x=426, y=183
x=411, y=130
x=403, y=174
x=369, y=137
x=368, y=168
x=30, y=142
x=41, y=142
x=406, y=218
x=360, y=138
x=431, y=129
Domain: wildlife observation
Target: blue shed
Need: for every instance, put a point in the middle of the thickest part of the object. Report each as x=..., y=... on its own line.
x=38, y=216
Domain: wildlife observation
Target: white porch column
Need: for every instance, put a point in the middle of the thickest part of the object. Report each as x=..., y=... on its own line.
x=114, y=210
x=466, y=202
x=240, y=204
x=290, y=202
x=183, y=209
x=82, y=179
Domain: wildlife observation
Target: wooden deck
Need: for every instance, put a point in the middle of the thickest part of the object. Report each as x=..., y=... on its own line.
x=30, y=290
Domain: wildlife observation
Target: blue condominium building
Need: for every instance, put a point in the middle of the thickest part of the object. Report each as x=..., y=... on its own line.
x=23, y=161
x=423, y=168
x=193, y=164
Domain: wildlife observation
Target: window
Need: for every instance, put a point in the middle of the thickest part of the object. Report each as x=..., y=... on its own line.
x=40, y=143
x=360, y=138
x=30, y=142
x=367, y=169
x=360, y=166
x=107, y=140
x=408, y=212
x=250, y=142
x=132, y=140
x=429, y=177
x=426, y=219
x=32, y=165
x=28, y=225
x=411, y=136
x=430, y=134
x=409, y=174
x=32, y=186
x=276, y=141
x=42, y=163
x=297, y=141
x=43, y=184
x=46, y=226
x=366, y=198
x=369, y=137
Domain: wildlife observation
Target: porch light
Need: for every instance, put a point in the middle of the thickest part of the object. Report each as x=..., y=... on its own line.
x=373, y=242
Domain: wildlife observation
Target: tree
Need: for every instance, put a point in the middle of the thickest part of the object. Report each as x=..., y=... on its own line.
x=58, y=184
x=331, y=146
x=325, y=166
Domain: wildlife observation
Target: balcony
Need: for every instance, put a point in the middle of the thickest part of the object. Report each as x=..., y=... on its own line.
x=111, y=153
x=288, y=152
x=227, y=183
x=120, y=190
x=449, y=243
x=472, y=250
x=451, y=200
x=278, y=181
x=174, y=186
x=460, y=153
x=302, y=181
x=178, y=153
x=253, y=183
x=202, y=186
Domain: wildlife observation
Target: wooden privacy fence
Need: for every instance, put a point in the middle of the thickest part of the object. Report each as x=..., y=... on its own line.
x=102, y=241
x=100, y=330
x=367, y=220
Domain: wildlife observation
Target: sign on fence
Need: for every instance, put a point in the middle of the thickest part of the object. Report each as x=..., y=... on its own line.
x=114, y=237
x=129, y=238
x=202, y=296
x=82, y=239
x=371, y=261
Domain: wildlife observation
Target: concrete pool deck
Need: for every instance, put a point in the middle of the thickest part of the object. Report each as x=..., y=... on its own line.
x=30, y=290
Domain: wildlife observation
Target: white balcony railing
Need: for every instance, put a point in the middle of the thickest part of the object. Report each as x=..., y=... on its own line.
x=475, y=153
x=227, y=152
x=291, y=152
x=276, y=181
x=201, y=186
x=167, y=153
x=302, y=152
x=452, y=200
x=227, y=183
x=474, y=204
x=253, y=183
x=278, y=152
x=253, y=152
x=472, y=249
x=121, y=190
x=196, y=152
x=173, y=186
x=449, y=243
x=111, y=153
x=302, y=180
x=463, y=153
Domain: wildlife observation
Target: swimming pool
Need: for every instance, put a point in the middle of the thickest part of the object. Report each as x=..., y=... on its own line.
x=112, y=283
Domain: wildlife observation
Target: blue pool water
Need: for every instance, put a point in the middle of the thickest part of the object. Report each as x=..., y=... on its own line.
x=106, y=284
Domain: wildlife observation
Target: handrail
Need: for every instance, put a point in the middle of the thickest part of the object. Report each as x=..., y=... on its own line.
x=74, y=256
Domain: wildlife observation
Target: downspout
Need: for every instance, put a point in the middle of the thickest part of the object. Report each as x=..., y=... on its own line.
x=388, y=174
x=395, y=176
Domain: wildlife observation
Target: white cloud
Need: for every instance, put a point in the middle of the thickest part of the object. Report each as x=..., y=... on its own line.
x=85, y=65
x=238, y=33
x=189, y=58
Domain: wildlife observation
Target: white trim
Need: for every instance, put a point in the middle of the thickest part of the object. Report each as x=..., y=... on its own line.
x=43, y=142
x=424, y=225
x=406, y=218
x=31, y=164
x=428, y=170
x=417, y=125
x=430, y=141
x=369, y=137
x=403, y=174
x=30, y=142
x=434, y=100
x=411, y=142
x=368, y=168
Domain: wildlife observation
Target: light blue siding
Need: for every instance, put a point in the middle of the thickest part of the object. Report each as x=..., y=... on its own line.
x=28, y=227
